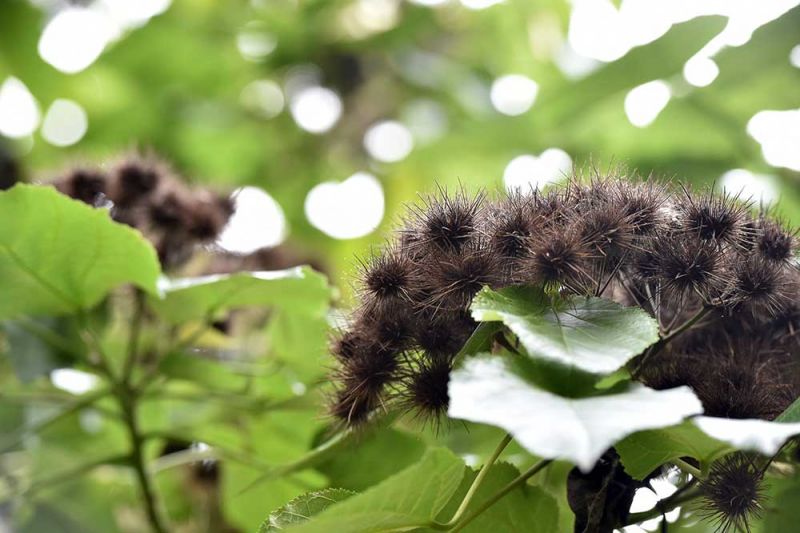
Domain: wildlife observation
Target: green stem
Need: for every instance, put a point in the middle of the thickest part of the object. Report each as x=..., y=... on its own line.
x=520, y=480
x=129, y=409
x=132, y=353
x=687, y=468
x=476, y=484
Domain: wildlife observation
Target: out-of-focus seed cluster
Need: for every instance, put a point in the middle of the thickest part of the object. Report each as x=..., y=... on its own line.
x=676, y=254
x=144, y=193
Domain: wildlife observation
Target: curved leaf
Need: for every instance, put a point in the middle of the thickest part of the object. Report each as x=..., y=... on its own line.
x=493, y=390
x=58, y=255
x=592, y=334
x=297, y=289
x=749, y=434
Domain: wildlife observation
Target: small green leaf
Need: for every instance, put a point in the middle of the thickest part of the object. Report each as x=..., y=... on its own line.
x=61, y=256
x=791, y=414
x=497, y=390
x=644, y=451
x=298, y=289
x=593, y=334
x=302, y=508
x=409, y=499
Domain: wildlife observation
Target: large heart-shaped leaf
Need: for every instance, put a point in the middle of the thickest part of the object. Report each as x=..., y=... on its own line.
x=60, y=256
x=409, y=499
x=593, y=334
x=297, y=289
x=644, y=451
x=749, y=434
x=496, y=390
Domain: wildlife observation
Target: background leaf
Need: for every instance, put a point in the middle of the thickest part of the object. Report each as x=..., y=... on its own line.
x=298, y=289
x=59, y=256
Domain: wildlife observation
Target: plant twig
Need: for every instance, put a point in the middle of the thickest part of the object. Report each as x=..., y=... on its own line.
x=476, y=484
x=518, y=481
x=132, y=353
x=687, y=468
x=664, y=506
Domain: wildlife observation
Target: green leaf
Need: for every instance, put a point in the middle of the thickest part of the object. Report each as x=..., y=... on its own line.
x=593, y=334
x=763, y=436
x=791, y=414
x=298, y=289
x=302, y=508
x=643, y=452
x=497, y=390
x=361, y=463
x=411, y=498
x=526, y=508
x=783, y=509
x=60, y=256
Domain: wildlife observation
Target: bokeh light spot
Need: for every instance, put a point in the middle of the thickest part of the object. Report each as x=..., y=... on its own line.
x=257, y=222
x=778, y=132
x=316, y=109
x=65, y=123
x=19, y=113
x=527, y=172
x=346, y=210
x=700, y=71
x=645, y=102
x=513, y=94
x=388, y=141
x=747, y=185
x=73, y=381
x=263, y=97
x=74, y=39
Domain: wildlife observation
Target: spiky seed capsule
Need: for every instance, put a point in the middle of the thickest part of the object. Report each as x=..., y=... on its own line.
x=760, y=286
x=84, y=184
x=716, y=219
x=135, y=179
x=687, y=266
x=448, y=224
x=775, y=243
x=733, y=491
x=389, y=276
x=455, y=278
x=426, y=388
x=558, y=257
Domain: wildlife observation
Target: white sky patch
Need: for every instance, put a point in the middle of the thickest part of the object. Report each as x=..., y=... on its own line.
x=257, y=222
x=778, y=132
x=75, y=38
x=513, y=94
x=526, y=172
x=645, y=102
x=388, y=141
x=599, y=29
x=363, y=18
x=346, y=210
x=19, y=112
x=700, y=71
x=73, y=381
x=128, y=14
x=263, y=97
x=316, y=109
x=794, y=56
x=65, y=123
x=759, y=188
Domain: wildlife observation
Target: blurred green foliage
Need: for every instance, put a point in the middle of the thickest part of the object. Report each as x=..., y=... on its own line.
x=174, y=85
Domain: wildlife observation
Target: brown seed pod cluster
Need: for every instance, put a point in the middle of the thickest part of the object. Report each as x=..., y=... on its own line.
x=673, y=253
x=144, y=193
